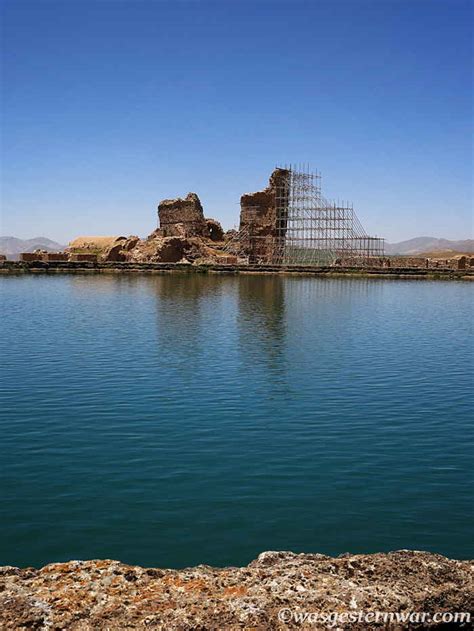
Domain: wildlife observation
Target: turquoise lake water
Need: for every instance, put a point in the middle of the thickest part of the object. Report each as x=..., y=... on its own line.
x=176, y=420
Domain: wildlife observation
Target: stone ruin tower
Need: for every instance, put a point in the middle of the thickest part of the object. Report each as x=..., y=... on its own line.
x=291, y=223
x=185, y=218
x=182, y=217
x=264, y=217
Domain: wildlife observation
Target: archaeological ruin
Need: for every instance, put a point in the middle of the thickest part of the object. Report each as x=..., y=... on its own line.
x=287, y=224
x=182, y=217
x=291, y=223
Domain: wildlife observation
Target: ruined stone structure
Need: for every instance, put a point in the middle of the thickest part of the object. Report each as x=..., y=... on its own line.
x=287, y=223
x=118, y=250
x=456, y=262
x=184, y=235
x=77, y=258
x=291, y=223
x=28, y=257
x=263, y=220
x=182, y=217
x=214, y=230
x=55, y=256
x=94, y=244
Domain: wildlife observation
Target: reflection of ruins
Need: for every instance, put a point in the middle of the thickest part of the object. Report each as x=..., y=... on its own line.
x=291, y=223
x=262, y=309
x=186, y=307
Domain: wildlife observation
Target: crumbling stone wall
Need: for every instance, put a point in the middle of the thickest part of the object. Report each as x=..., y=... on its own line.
x=258, y=216
x=458, y=262
x=30, y=256
x=55, y=256
x=182, y=217
x=215, y=230
x=408, y=261
x=419, y=262
x=94, y=245
x=90, y=258
x=357, y=261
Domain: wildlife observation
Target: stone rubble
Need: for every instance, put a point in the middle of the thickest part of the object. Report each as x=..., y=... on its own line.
x=184, y=235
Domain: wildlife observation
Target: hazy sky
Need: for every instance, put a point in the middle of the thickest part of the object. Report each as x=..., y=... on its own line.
x=111, y=105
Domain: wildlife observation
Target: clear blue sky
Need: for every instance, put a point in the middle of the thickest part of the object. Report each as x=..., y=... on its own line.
x=111, y=105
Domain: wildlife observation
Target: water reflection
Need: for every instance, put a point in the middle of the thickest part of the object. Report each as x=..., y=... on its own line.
x=261, y=319
x=177, y=419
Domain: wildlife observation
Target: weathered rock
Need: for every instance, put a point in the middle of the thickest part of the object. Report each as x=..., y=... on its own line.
x=182, y=217
x=199, y=248
x=158, y=250
x=155, y=234
x=171, y=250
x=90, y=258
x=180, y=230
x=119, y=249
x=30, y=256
x=130, y=243
x=269, y=594
x=230, y=234
x=96, y=245
x=115, y=252
x=105, y=248
x=55, y=256
x=215, y=231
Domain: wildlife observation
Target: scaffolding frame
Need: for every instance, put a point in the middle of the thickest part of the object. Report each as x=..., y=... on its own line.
x=308, y=229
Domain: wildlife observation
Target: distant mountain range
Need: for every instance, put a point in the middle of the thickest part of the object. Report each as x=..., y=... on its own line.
x=419, y=245
x=12, y=247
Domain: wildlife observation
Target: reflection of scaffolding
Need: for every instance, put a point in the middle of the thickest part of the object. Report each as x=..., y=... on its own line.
x=308, y=229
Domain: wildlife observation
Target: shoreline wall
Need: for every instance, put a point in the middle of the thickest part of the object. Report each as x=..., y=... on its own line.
x=85, y=267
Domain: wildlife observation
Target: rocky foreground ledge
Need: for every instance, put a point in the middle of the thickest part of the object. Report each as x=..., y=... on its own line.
x=279, y=590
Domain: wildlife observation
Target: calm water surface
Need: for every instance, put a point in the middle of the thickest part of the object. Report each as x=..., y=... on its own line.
x=176, y=420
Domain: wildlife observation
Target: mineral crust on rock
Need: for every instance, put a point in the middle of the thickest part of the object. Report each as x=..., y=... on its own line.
x=108, y=595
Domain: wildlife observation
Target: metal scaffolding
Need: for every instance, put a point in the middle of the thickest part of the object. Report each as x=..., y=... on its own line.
x=307, y=228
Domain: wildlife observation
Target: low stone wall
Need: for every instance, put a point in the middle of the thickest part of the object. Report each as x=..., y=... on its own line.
x=408, y=261
x=92, y=258
x=55, y=256
x=15, y=267
x=30, y=256
x=271, y=593
x=456, y=262
x=48, y=257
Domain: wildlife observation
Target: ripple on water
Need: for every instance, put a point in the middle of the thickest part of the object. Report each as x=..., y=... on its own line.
x=197, y=419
